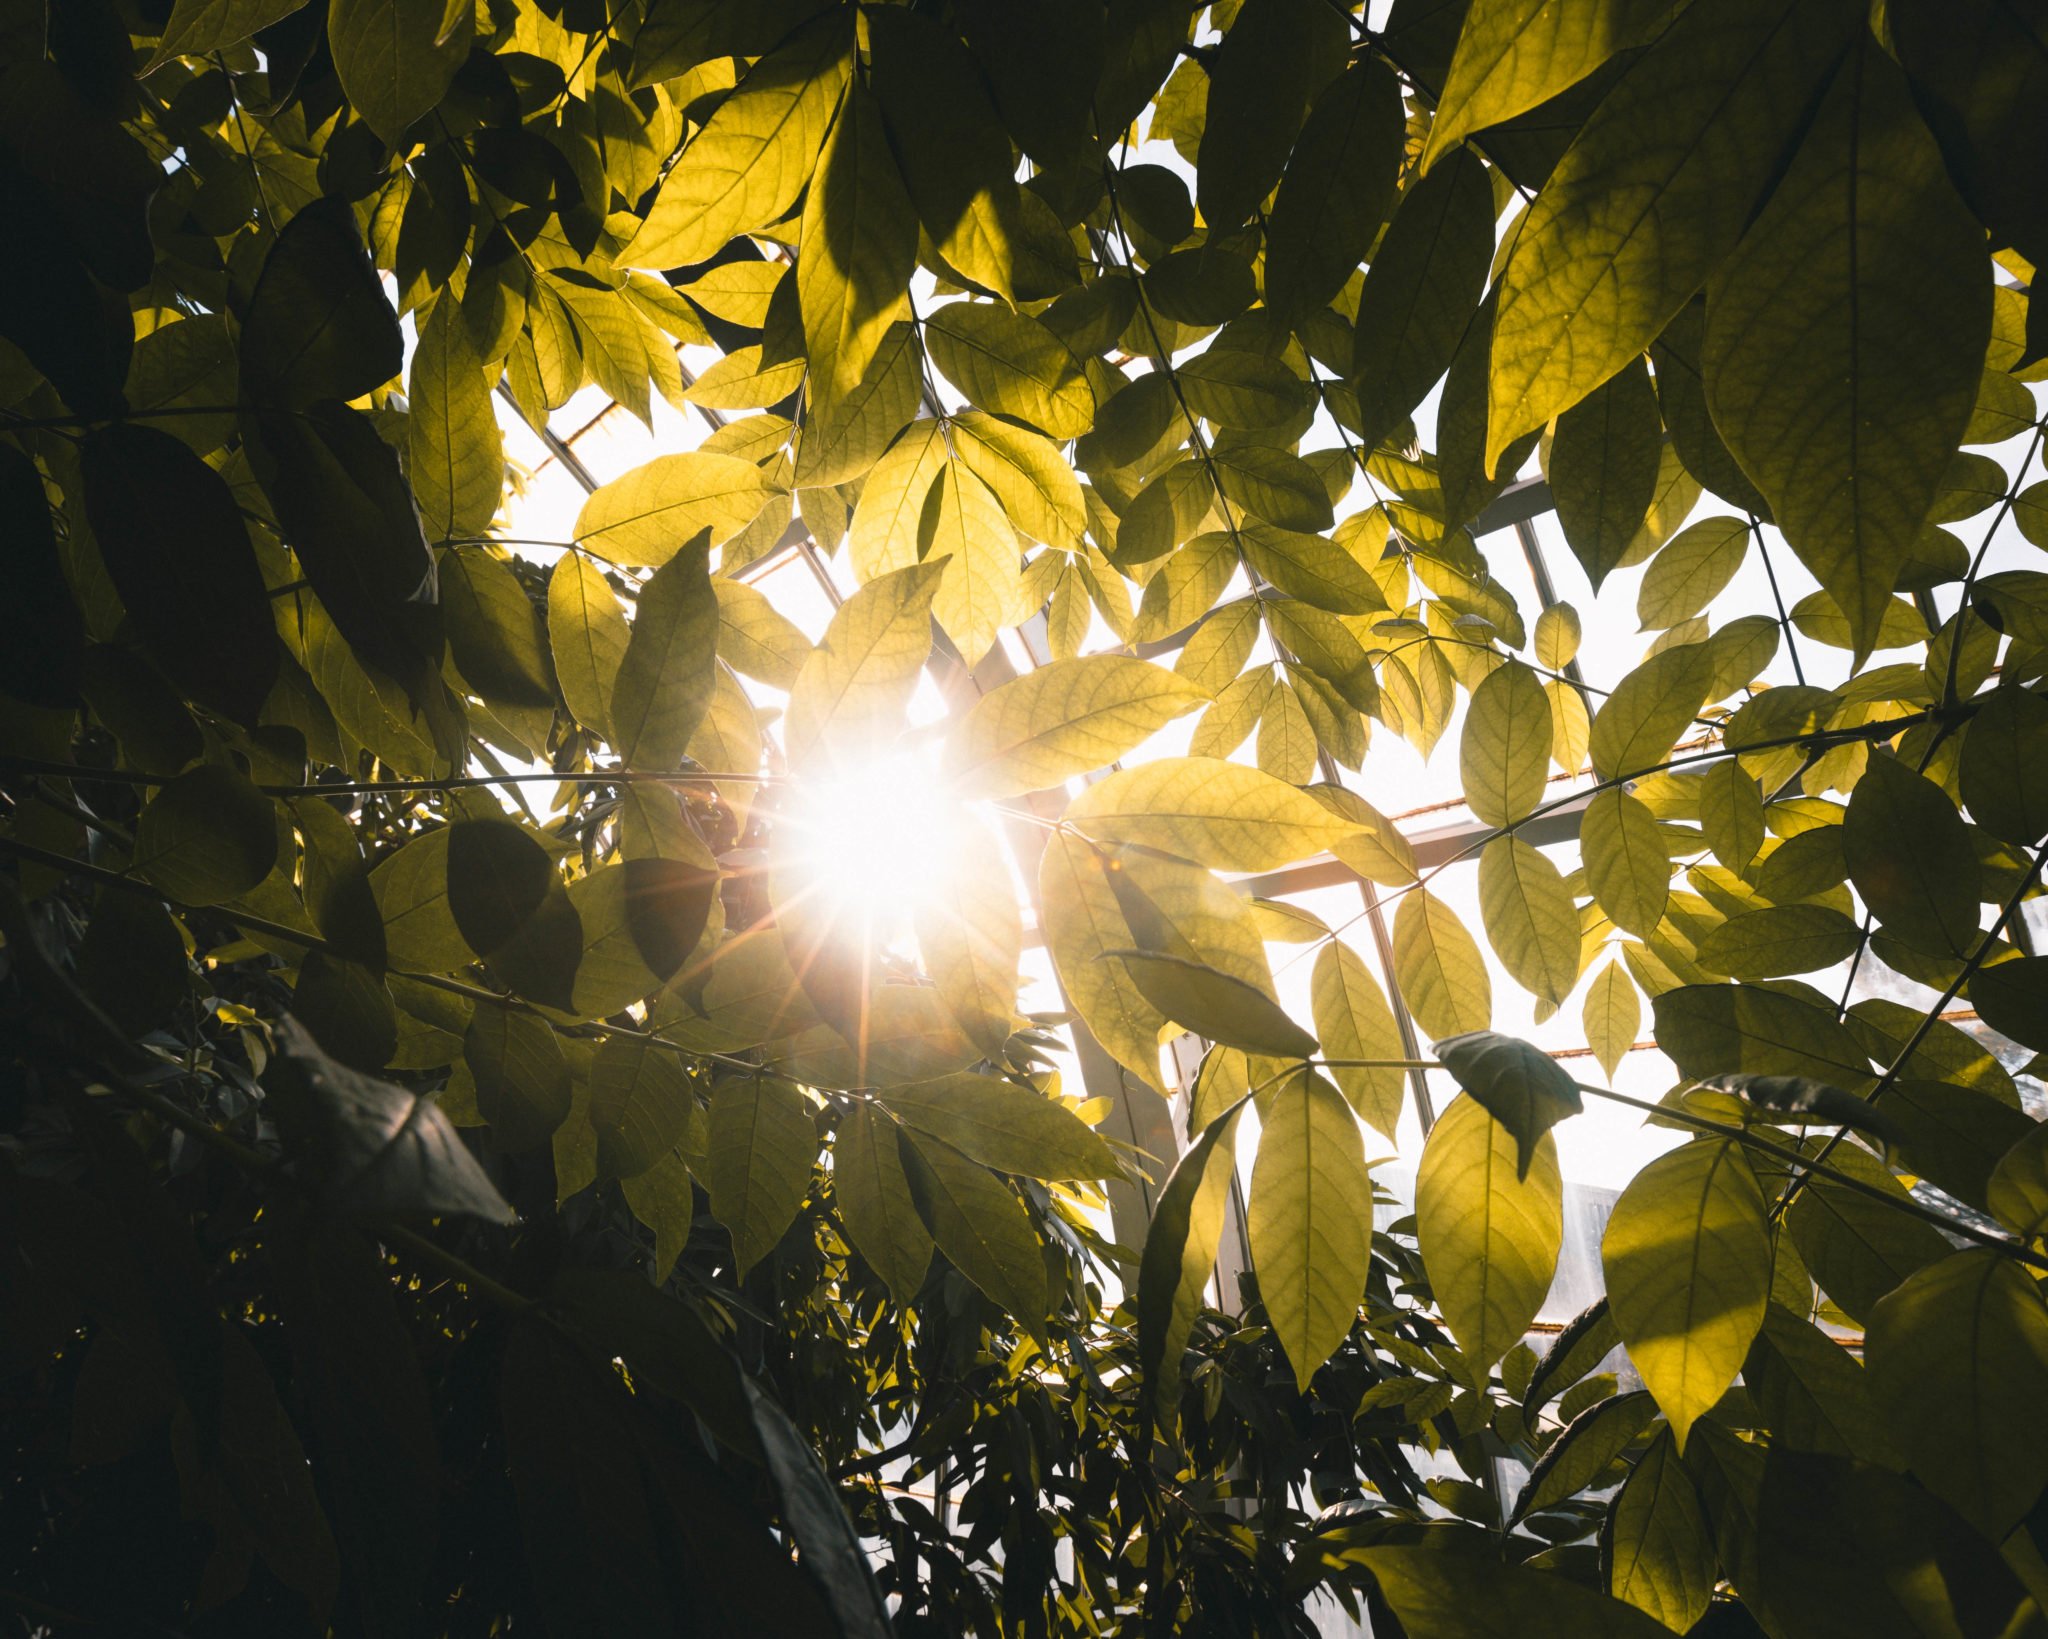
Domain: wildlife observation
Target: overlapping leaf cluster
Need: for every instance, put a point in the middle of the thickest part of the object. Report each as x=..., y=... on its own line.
x=272, y=648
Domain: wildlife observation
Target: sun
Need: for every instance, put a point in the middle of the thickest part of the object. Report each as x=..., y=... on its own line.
x=868, y=844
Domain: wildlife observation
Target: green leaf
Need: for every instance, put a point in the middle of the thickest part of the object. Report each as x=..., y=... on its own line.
x=1083, y=920
x=1513, y=55
x=1803, y=1099
x=1859, y=1248
x=1354, y=1022
x=1613, y=1015
x=667, y=674
x=1909, y=854
x=957, y=161
x=1812, y=1393
x=206, y=837
x=641, y=1106
x=1273, y=486
x=1201, y=808
x=319, y=325
x=522, y=1079
x=1655, y=189
x=758, y=1165
x=1437, y=964
x=1776, y=940
x=172, y=539
x=1687, y=1255
x=755, y=637
x=1337, y=188
x=664, y=1199
x=1029, y=475
x=874, y=1198
x=1310, y=1219
x=394, y=61
x=588, y=634
x=370, y=1149
x=1845, y=1548
x=1603, y=469
x=1273, y=58
x=197, y=27
x=1845, y=337
x=1216, y=1005
x=1009, y=364
x=1636, y=727
x=1712, y=1030
x=1530, y=918
x=454, y=456
x=644, y=518
x=963, y=523
x=494, y=631
x=1489, y=1221
x=859, y=244
x=981, y=1227
x=2004, y=768
x=750, y=160
x=2018, y=1192
x=1001, y=1125
x=1958, y=1360
x=1065, y=719
x=861, y=674
x=1521, y=1086
x=1659, y=1549
x=1180, y=1251
x=1437, y=1595
x=1420, y=292
x=1504, y=753
x=1588, y=1338
x=1583, y=1449
x=1690, y=571
x=1731, y=814
x=1245, y=390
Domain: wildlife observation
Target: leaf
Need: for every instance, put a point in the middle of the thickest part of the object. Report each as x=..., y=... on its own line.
x=1521, y=1086
x=1354, y=1022
x=1845, y=1548
x=1656, y=188
x=667, y=674
x=1530, y=918
x=641, y=1106
x=1776, y=940
x=1489, y=1222
x=859, y=244
x=1438, y=967
x=1309, y=1223
x=2004, y=768
x=206, y=837
x=522, y=1079
x=1958, y=1361
x=1803, y=1099
x=644, y=518
x=1270, y=62
x=749, y=161
x=1603, y=469
x=1634, y=730
x=1812, y=1393
x=1201, y=808
x=177, y=551
x=1027, y=473
x=981, y=1227
x=1513, y=55
x=758, y=1165
x=1583, y=1449
x=1180, y=1252
x=756, y=638
x=1846, y=334
x=319, y=325
x=454, y=456
x=1436, y=1595
x=1216, y=1005
x=1688, y=1262
x=1243, y=390
x=861, y=674
x=963, y=525
x=1083, y=921
x=1504, y=752
x=874, y=1198
x=1001, y=1125
x=1613, y=1016
x=394, y=61
x=957, y=161
x=498, y=876
x=1064, y=719
x=1010, y=364
x=1337, y=188
x=1859, y=1248
x=1690, y=571
x=970, y=934
x=373, y=1150
x=1731, y=814
x=197, y=27
x=1272, y=485
x=588, y=634
x=1711, y=1030
x=1909, y=855
x=1659, y=1549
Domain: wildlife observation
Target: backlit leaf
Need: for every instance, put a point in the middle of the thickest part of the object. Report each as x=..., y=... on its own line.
x=1067, y=718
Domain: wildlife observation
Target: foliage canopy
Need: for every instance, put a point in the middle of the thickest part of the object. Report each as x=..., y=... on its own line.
x=459, y=1178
